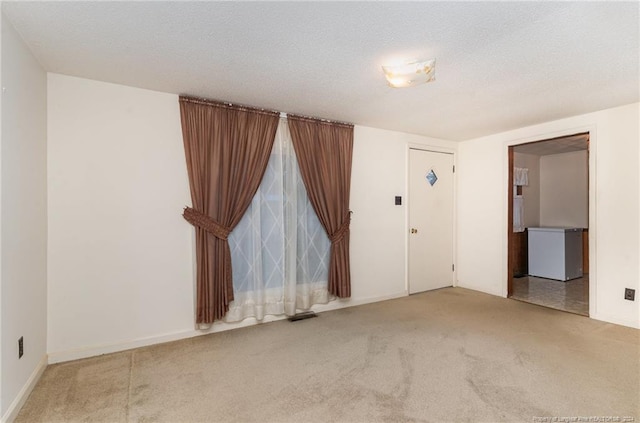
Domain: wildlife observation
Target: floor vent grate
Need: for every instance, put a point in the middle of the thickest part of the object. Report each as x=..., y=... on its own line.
x=302, y=316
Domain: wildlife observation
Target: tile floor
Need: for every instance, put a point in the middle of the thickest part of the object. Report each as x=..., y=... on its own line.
x=571, y=296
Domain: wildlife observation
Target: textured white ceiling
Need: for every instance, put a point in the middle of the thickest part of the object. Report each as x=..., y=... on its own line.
x=500, y=65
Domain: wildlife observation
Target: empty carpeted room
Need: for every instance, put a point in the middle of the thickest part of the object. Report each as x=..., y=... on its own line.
x=307, y=211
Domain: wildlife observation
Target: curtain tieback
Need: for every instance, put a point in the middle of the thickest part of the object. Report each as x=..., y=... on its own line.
x=203, y=221
x=342, y=230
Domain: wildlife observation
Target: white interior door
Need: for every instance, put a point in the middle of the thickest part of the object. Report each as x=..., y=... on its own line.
x=430, y=220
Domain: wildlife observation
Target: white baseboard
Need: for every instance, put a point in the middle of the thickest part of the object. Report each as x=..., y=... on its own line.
x=478, y=288
x=616, y=320
x=62, y=356
x=338, y=304
x=93, y=351
x=21, y=398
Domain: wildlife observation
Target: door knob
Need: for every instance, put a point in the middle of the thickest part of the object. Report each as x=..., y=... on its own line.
x=414, y=231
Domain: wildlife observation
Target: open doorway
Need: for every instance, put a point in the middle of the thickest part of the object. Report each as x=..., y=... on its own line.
x=548, y=262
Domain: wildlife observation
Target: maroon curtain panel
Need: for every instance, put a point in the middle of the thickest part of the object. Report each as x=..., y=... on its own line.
x=324, y=151
x=227, y=148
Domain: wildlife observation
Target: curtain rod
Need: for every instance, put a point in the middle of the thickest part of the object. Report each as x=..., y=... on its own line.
x=229, y=105
x=226, y=105
x=322, y=121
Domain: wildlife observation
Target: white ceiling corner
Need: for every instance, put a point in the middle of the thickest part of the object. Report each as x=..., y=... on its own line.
x=499, y=65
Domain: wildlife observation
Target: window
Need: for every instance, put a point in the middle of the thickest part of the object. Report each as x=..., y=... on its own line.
x=279, y=250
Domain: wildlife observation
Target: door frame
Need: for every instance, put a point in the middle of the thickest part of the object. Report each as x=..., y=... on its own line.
x=591, y=183
x=407, y=228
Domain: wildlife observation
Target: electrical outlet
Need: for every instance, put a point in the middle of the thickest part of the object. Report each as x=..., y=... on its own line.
x=20, y=347
x=629, y=294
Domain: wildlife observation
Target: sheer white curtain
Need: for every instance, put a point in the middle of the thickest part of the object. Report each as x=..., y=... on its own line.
x=279, y=250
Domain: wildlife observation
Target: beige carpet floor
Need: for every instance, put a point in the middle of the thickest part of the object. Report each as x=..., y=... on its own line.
x=451, y=355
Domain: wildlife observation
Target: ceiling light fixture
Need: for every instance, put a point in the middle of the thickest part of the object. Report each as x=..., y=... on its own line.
x=410, y=74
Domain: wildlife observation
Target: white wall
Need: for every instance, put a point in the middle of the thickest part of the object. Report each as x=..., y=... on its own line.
x=613, y=216
x=2, y=419
x=120, y=262
x=378, y=227
x=531, y=192
x=120, y=254
x=564, y=190
x=24, y=220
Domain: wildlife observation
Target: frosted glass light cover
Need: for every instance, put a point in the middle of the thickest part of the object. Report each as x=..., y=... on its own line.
x=410, y=74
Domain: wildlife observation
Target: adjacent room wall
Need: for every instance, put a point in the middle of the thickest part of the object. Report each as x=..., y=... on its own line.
x=121, y=264
x=613, y=216
x=564, y=190
x=531, y=192
x=24, y=221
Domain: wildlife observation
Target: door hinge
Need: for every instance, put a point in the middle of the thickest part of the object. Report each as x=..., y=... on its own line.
x=454, y=168
x=453, y=267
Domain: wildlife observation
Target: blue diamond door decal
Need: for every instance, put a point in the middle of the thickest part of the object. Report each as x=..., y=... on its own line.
x=431, y=177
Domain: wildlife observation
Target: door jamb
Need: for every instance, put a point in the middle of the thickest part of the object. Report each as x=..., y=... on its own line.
x=591, y=172
x=510, y=241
